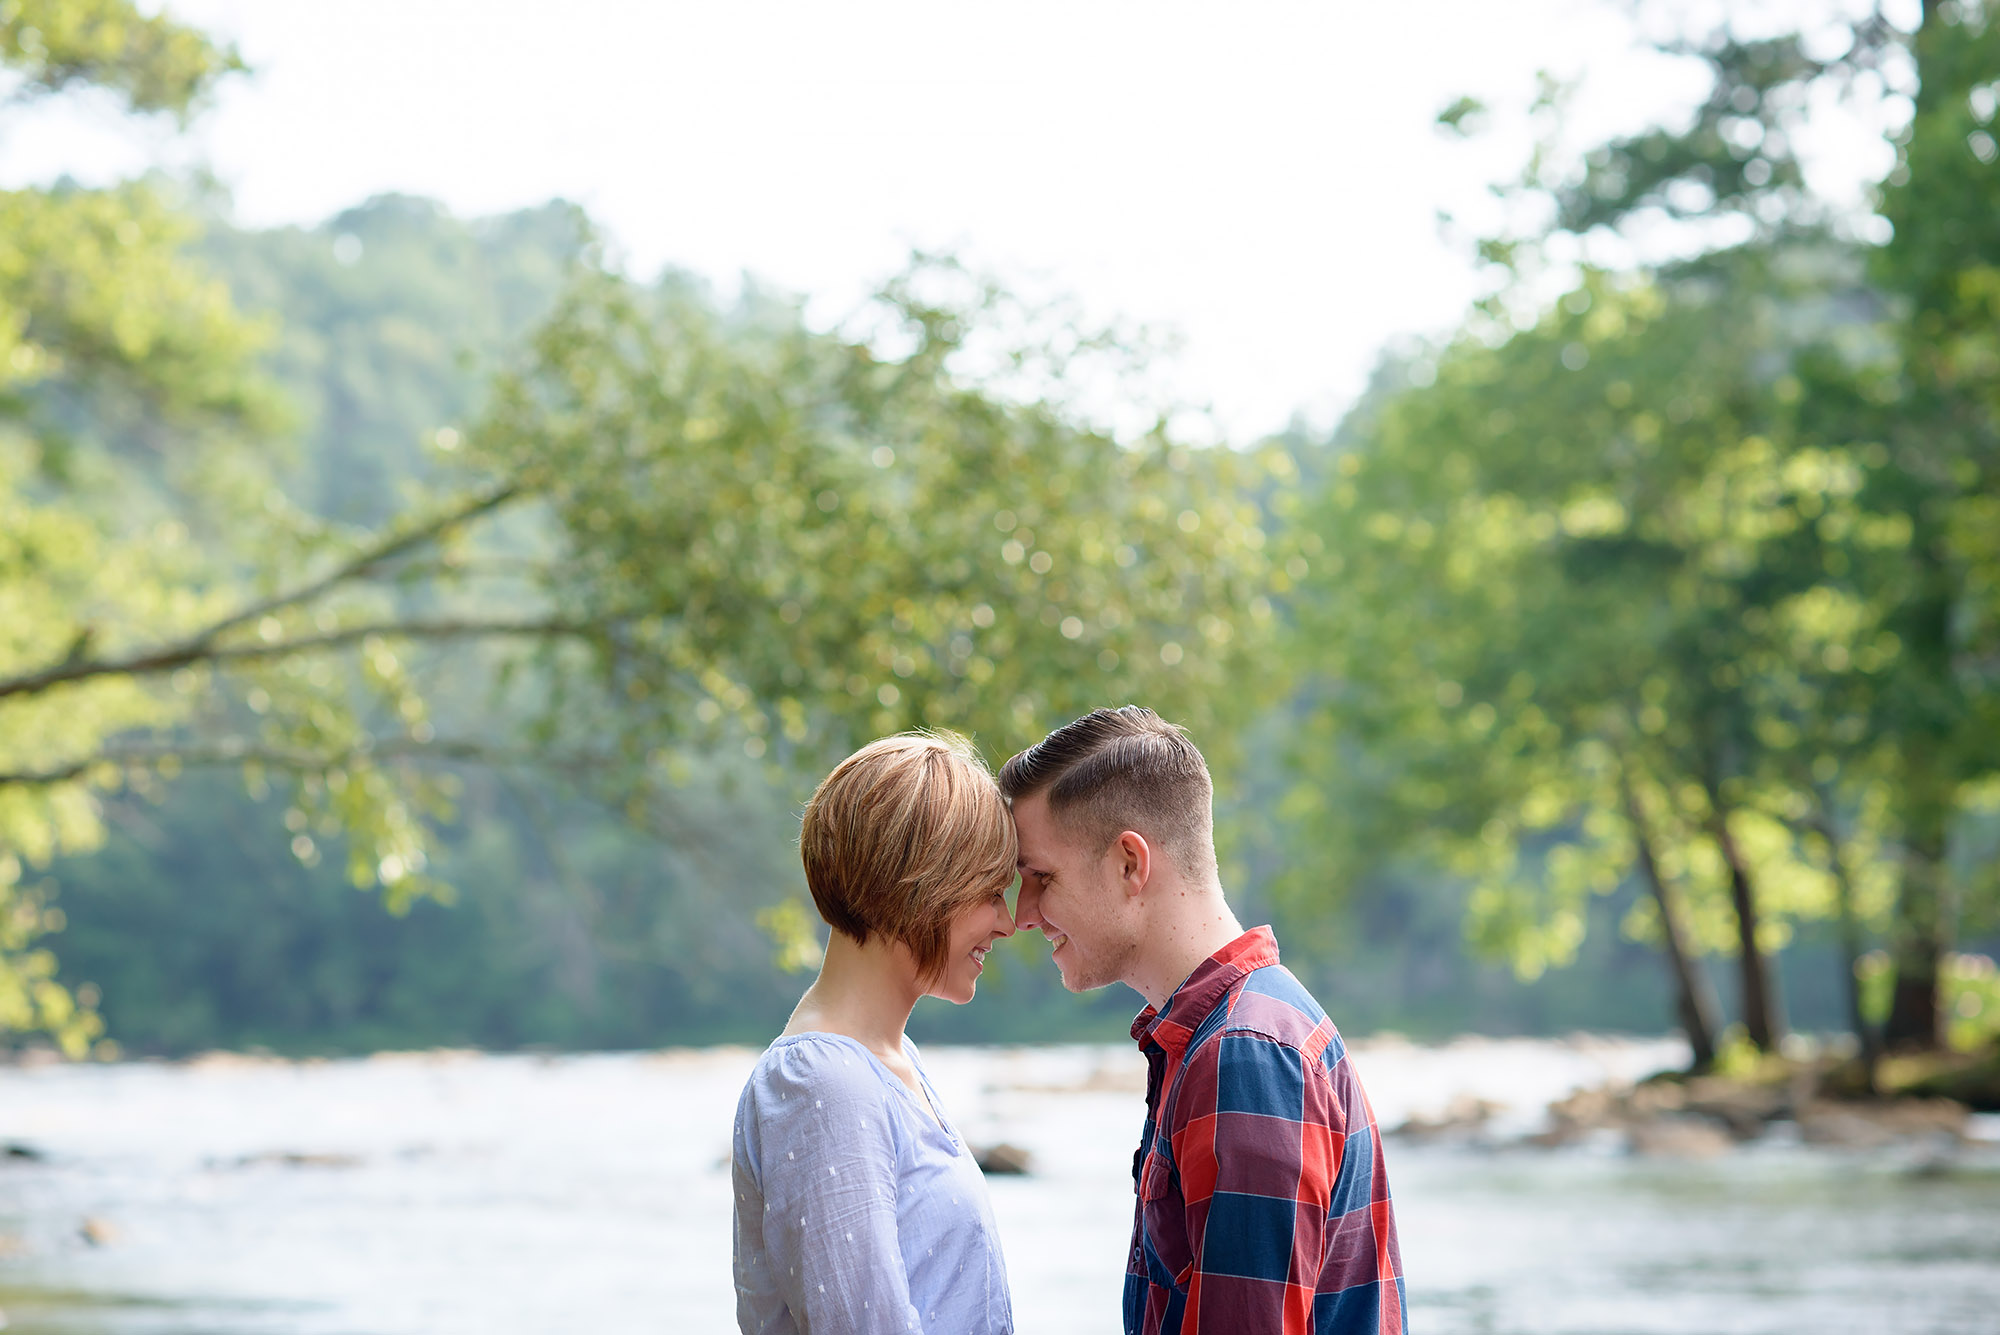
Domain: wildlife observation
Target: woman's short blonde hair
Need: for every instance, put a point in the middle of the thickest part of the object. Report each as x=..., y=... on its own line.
x=904, y=834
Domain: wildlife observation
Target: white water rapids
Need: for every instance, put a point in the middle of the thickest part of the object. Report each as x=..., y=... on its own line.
x=445, y=1193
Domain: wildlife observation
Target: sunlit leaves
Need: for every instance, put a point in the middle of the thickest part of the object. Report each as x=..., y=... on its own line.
x=1730, y=521
x=155, y=63
x=1552, y=569
x=96, y=281
x=726, y=529
x=819, y=542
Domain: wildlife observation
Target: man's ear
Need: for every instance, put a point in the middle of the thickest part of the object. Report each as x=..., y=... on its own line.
x=1133, y=859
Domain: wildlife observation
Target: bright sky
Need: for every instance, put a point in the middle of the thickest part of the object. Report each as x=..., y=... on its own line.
x=1259, y=179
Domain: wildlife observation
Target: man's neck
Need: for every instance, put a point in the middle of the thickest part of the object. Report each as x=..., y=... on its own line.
x=1191, y=924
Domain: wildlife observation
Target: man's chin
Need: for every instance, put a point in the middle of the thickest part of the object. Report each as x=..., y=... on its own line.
x=1074, y=980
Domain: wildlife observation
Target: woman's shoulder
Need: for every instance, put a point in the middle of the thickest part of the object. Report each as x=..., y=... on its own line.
x=820, y=1070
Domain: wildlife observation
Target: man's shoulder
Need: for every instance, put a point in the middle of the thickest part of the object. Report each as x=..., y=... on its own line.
x=1267, y=1014
x=1272, y=1003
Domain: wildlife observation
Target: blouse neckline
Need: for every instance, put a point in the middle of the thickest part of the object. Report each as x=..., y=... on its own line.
x=929, y=1105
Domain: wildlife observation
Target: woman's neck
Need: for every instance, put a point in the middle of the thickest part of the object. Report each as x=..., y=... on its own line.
x=865, y=992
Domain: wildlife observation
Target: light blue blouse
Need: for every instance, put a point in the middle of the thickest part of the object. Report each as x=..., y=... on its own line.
x=855, y=1210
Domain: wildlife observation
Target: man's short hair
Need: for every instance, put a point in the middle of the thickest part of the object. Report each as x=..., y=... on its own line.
x=904, y=834
x=1123, y=769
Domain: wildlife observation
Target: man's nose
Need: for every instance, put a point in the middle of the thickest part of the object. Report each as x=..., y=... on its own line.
x=1026, y=902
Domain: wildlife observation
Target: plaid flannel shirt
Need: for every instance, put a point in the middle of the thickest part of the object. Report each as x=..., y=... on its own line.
x=1263, y=1204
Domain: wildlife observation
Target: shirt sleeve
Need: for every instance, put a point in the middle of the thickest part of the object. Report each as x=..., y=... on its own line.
x=828, y=1173
x=1258, y=1138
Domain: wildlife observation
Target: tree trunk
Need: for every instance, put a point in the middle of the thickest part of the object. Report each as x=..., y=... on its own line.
x=1763, y=1016
x=1919, y=937
x=1926, y=799
x=1930, y=723
x=1694, y=999
x=1850, y=940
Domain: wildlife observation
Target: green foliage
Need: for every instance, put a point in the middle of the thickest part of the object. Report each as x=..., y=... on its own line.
x=1739, y=156
x=203, y=930
x=573, y=925
x=153, y=62
x=31, y=1000
x=390, y=319
x=1719, y=531
x=818, y=543
x=794, y=933
x=1740, y=1059
x=1970, y=995
x=671, y=528
x=105, y=328
x=1699, y=561
x=1971, y=1002
x=1549, y=566
x=1463, y=116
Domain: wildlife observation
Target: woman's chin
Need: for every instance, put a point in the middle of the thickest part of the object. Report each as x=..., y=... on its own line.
x=957, y=993
x=960, y=989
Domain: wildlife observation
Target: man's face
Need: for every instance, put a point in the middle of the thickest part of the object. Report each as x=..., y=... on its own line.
x=1072, y=894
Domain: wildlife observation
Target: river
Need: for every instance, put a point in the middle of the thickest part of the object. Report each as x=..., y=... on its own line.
x=441, y=1193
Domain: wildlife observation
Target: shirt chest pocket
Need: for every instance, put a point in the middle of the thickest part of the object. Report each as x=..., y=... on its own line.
x=1164, y=1215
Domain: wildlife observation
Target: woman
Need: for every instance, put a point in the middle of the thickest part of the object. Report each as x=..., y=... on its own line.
x=858, y=1206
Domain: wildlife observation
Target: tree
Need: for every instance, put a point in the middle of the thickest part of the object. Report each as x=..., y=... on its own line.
x=1943, y=427
x=1740, y=491
x=1922, y=409
x=674, y=525
x=804, y=536
x=1534, y=614
x=96, y=304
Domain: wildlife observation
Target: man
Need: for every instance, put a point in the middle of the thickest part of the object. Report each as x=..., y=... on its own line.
x=1263, y=1205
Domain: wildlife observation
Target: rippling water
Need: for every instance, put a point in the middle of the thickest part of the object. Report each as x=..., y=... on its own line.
x=445, y=1193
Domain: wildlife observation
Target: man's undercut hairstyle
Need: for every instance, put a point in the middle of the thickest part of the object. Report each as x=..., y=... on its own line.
x=1123, y=769
x=902, y=836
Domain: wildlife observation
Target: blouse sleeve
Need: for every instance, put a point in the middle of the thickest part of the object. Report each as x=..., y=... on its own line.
x=828, y=1172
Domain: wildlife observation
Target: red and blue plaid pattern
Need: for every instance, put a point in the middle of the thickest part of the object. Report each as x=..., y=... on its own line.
x=1263, y=1204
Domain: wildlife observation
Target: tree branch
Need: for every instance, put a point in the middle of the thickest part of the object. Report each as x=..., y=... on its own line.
x=239, y=751
x=387, y=548
x=579, y=765
x=187, y=652
x=77, y=665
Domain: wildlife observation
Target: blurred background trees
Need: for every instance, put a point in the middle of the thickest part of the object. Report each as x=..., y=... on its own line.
x=1684, y=576
x=669, y=533
x=1653, y=611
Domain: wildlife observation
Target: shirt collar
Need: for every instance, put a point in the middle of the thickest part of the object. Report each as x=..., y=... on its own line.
x=1171, y=1026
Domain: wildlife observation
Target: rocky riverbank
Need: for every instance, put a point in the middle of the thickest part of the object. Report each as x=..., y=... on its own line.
x=1925, y=1102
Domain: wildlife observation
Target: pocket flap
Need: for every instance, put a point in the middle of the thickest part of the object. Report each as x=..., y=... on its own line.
x=1156, y=1177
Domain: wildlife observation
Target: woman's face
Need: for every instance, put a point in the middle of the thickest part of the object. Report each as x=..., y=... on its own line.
x=973, y=931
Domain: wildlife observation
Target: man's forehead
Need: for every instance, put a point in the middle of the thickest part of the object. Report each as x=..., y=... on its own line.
x=1038, y=834
x=1031, y=820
